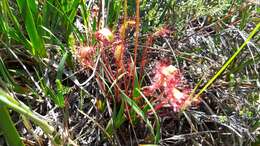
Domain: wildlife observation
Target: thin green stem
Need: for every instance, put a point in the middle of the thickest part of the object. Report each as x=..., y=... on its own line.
x=225, y=66
x=21, y=108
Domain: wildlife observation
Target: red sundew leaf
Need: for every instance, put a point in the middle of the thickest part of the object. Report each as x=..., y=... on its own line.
x=167, y=77
x=86, y=55
x=180, y=98
x=105, y=36
x=85, y=52
x=118, y=52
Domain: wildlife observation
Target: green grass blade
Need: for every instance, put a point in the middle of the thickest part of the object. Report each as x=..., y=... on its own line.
x=5, y=74
x=118, y=119
x=21, y=4
x=7, y=78
x=64, y=16
x=135, y=107
x=48, y=13
x=61, y=66
x=33, y=6
x=12, y=27
x=136, y=93
x=8, y=129
x=224, y=67
x=158, y=126
x=54, y=38
x=59, y=98
x=114, y=13
x=36, y=40
x=73, y=10
x=21, y=108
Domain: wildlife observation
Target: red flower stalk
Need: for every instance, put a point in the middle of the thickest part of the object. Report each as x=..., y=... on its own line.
x=167, y=78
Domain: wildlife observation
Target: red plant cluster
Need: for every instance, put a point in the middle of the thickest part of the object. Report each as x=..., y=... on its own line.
x=167, y=79
x=87, y=53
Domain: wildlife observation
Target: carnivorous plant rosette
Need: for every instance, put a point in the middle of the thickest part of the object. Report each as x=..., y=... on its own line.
x=167, y=80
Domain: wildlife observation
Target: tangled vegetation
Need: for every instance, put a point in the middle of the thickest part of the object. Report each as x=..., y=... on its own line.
x=121, y=72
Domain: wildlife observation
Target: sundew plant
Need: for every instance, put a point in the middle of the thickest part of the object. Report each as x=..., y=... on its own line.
x=121, y=72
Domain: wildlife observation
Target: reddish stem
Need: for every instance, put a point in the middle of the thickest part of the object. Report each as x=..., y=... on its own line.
x=148, y=42
x=137, y=29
